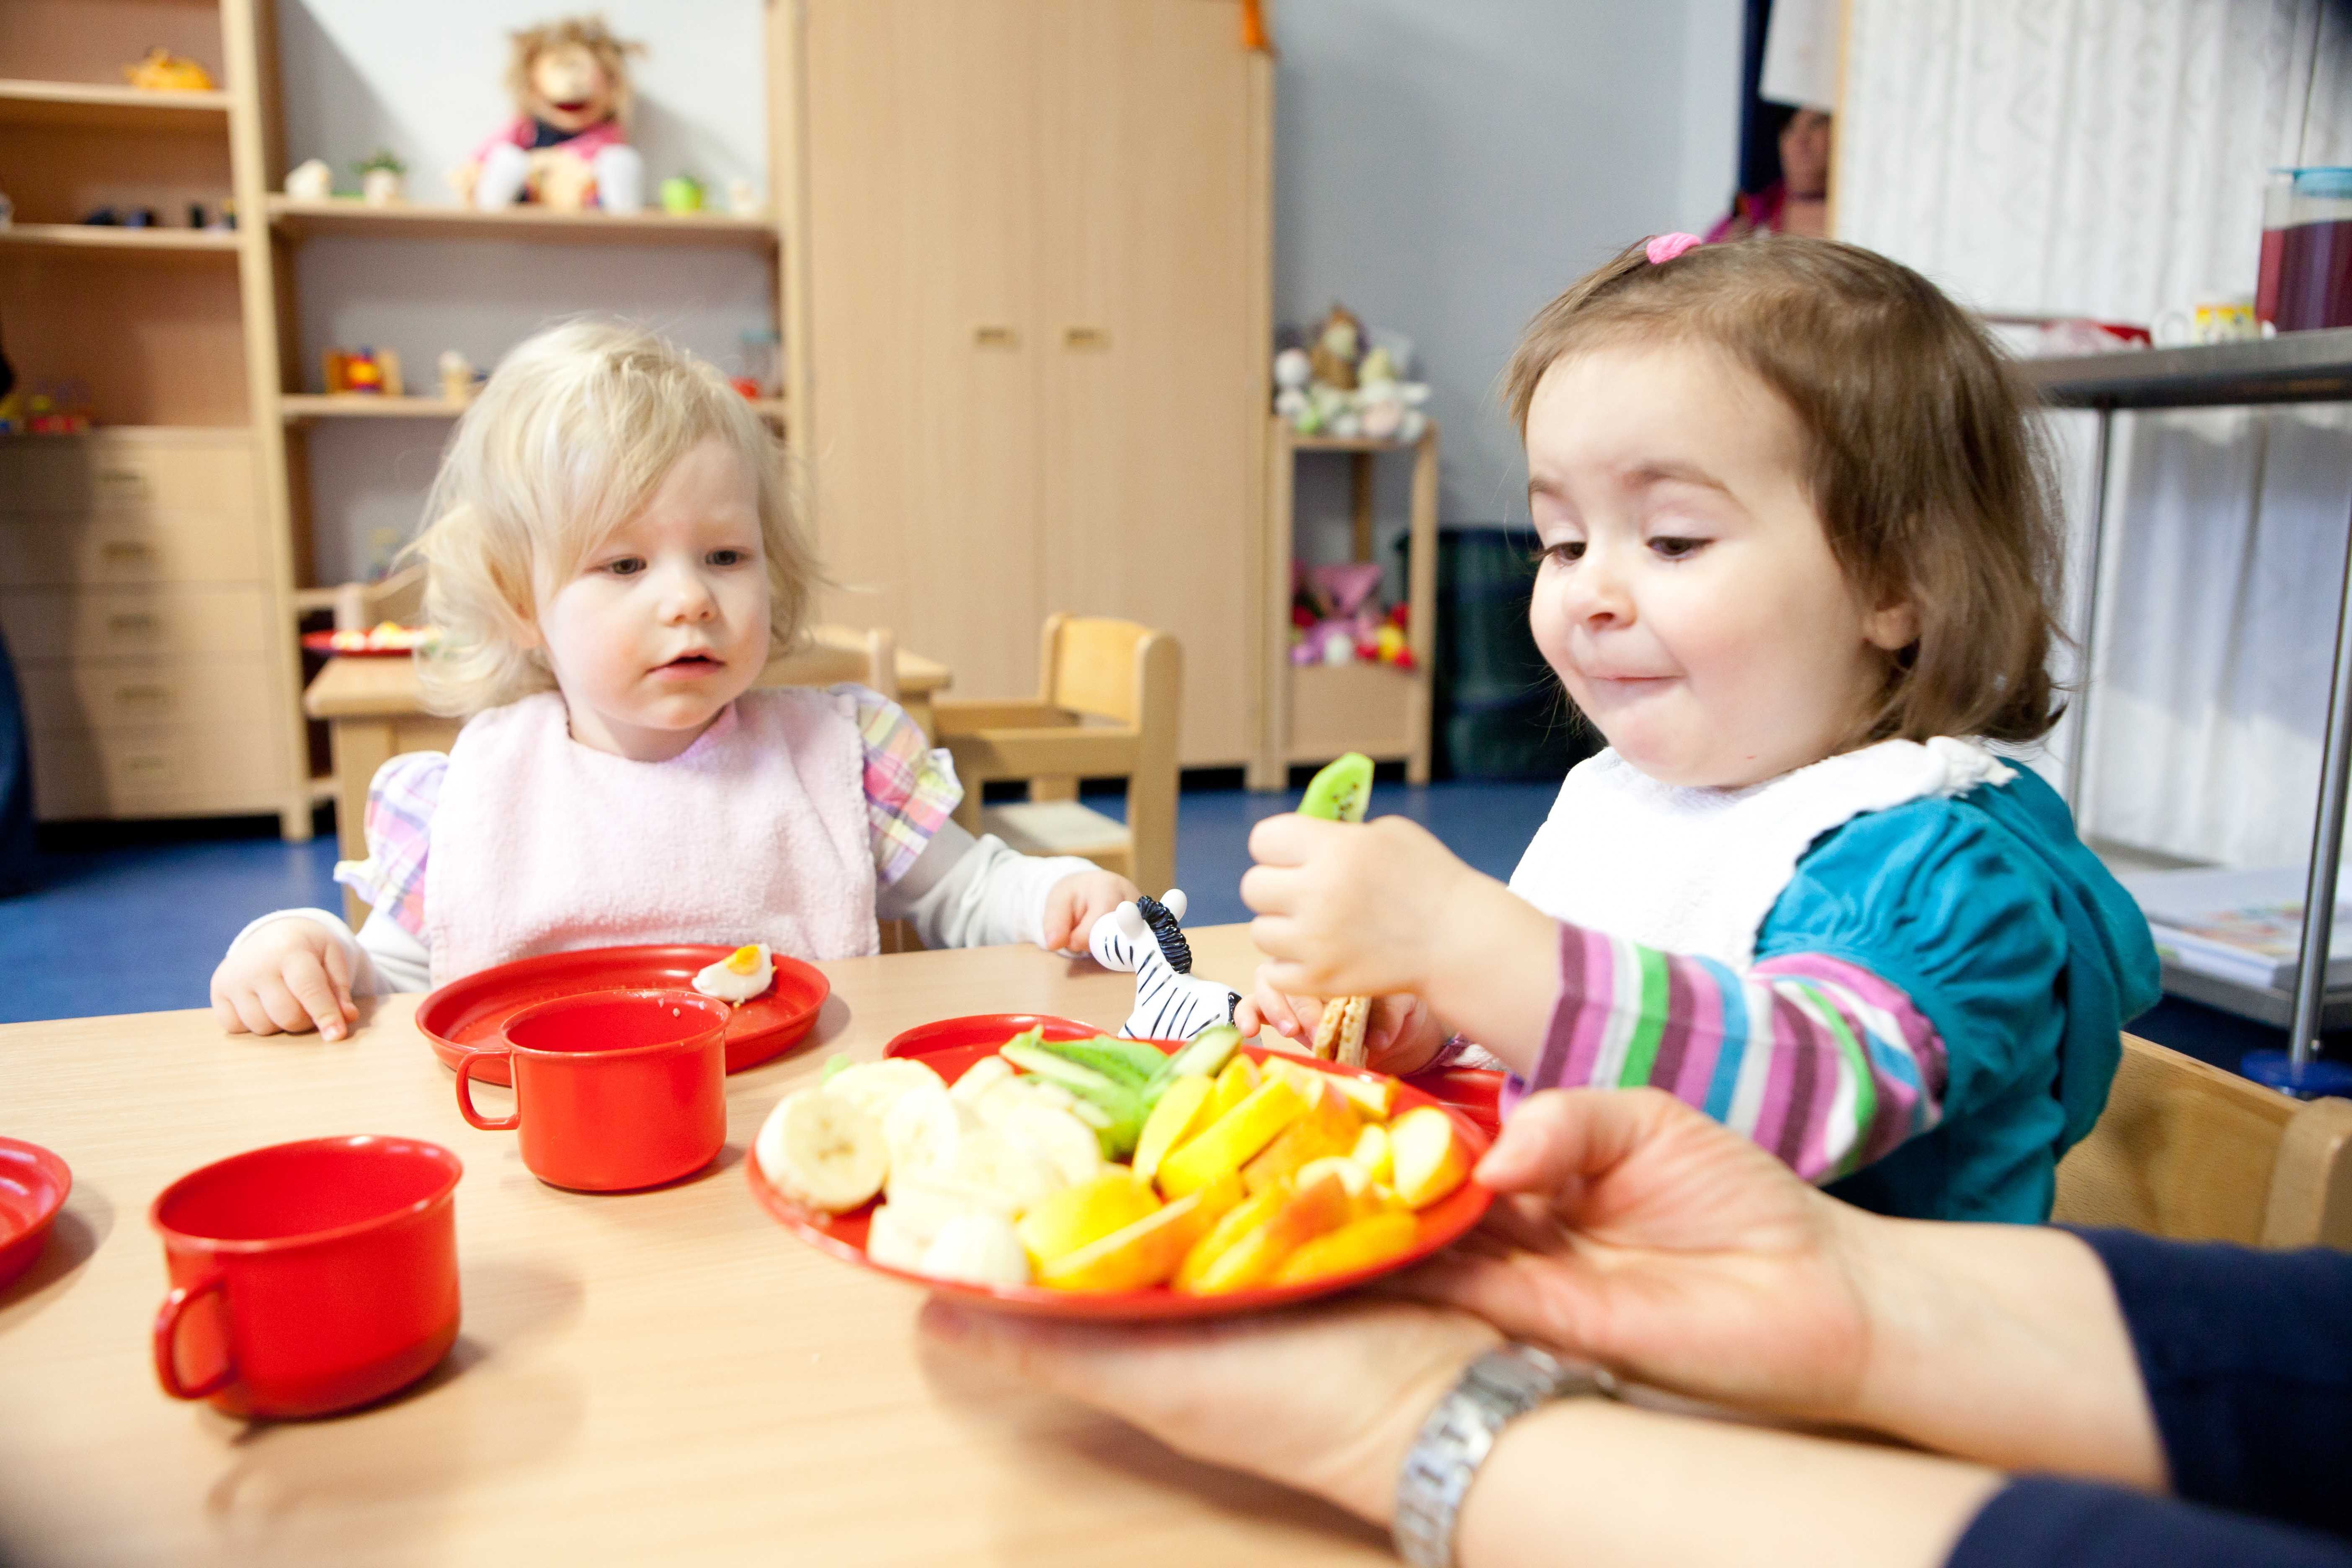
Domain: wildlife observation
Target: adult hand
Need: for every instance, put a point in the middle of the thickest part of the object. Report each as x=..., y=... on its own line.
x=1631, y=1229
x=290, y=975
x=1077, y=902
x=1355, y=1382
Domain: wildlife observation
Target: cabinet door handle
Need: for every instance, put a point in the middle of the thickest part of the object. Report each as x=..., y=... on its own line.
x=129, y=625
x=1085, y=338
x=125, y=551
x=124, y=482
x=130, y=694
x=992, y=337
x=151, y=766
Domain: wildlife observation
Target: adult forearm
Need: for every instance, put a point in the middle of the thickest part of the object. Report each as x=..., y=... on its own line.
x=1599, y=1484
x=2001, y=1344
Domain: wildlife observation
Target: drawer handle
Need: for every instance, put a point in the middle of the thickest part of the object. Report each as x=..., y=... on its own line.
x=142, y=694
x=996, y=338
x=1085, y=338
x=154, y=765
x=130, y=481
x=129, y=624
x=125, y=551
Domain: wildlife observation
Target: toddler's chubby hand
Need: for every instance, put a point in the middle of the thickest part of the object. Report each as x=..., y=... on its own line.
x=290, y=975
x=1401, y=1037
x=1077, y=902
x=1349, y=909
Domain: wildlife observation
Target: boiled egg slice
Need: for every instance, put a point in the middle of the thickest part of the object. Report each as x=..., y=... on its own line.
x=739, y=976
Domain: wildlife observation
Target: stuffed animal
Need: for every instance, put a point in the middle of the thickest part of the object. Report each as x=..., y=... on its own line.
x=1337, y=342
x=163, y=71
x=567, y=146
x=1171, y=1003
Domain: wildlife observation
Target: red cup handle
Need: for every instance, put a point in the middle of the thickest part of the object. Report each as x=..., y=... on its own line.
x=167, y=1334
x=466, y=1094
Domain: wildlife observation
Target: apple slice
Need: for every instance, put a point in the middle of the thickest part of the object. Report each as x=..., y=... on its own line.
x=1375, y=1097
x=1330, y=1128
x=1077, y=1217
x=1303, y=1213
x=1232, y=1138
x=1234, y=1086
x=1427, y=1156
x=1236, y=1223
x=1148, y=1251
x=1371, y=1152
x=1362, y=1243
x=1183, y=1111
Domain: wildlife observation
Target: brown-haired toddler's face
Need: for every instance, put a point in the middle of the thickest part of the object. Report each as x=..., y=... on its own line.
x=1687, y=598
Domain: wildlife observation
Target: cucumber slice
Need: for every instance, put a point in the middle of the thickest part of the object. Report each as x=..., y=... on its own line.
x=1341, y=791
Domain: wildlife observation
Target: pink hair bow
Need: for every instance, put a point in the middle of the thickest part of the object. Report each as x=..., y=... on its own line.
x=1666, y=247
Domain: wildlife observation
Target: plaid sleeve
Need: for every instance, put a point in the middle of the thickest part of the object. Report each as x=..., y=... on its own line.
x=399, y=833
x=910, y=787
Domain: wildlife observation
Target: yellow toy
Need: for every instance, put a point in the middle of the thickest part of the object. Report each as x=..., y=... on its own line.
x=163, y=71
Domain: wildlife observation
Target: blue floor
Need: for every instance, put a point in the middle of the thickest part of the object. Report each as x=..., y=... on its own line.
x=139, y=928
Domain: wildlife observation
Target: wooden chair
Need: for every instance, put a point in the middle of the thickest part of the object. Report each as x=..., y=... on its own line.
x=2187, y=1151
x=1106, y=707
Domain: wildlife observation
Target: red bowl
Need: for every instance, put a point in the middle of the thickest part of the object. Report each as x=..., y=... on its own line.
x=952, y=1045
x=33, y=1187
x=468, y=1014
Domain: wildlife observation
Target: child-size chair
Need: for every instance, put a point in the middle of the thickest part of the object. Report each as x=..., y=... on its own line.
x=2187, y=1151
x=1106, y=708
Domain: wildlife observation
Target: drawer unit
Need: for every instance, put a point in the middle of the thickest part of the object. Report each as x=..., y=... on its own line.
x=158, y=770
x=118, y=623
x=105, y=694
x=108, y=548
x=130, y=471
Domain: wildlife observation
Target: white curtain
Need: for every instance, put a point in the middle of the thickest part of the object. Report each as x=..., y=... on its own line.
x=2106, y=158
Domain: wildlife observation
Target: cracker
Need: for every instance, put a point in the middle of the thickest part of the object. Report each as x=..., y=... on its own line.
x=1339, y=1033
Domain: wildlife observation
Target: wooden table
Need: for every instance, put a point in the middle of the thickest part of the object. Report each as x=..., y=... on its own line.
x=659, y=1377
x=374, y=711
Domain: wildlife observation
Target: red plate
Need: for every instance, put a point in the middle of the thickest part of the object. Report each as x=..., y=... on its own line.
x=469, y=1012
x=33, y=1187
x=952, y=1045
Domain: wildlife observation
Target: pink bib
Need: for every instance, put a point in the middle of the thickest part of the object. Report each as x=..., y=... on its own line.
x=757, y=832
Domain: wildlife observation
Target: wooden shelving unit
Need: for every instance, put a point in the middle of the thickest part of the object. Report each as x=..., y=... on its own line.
x=404, y=220
x=302, y=407
x=101, y=107
x=200, y=242
x=1313, y=713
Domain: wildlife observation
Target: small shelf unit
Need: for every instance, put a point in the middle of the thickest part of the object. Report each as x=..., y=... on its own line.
x=405, y=220
x=97, y=106
x=119, y=241
x=1312, y=712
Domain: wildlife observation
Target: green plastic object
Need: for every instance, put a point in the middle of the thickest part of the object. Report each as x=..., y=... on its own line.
x=1341, y=791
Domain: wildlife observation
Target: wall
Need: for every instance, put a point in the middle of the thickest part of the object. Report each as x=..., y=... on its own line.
x=424, y=78
x=1444, y=169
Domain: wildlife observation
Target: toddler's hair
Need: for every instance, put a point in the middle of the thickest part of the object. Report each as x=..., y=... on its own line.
x=1933, y=485
x=567, y=439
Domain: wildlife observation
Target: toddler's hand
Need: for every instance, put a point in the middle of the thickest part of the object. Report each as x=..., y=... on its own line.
x=1401, y=1036
x=1347, y=908
x=292, y=975
x=1077, y=902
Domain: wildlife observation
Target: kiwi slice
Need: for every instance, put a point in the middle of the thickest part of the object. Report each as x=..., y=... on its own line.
x=1341, y=791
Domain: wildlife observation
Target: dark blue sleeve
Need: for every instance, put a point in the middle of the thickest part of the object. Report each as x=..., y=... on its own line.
x=2040, y=1522
x=2247, y=1361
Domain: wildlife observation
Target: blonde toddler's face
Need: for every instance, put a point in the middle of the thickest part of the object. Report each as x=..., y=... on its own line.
x=666, y=622
x=1687, y=596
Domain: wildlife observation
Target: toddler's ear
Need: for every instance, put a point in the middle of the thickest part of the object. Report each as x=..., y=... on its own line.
x=1892, y=627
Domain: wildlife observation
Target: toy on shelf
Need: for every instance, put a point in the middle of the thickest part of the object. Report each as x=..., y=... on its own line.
x=120, y=218
x=310, y=181
x=381, y=178
x=744, y=199
x=681, y=194
x=459, y=379
x=47, y=408
x=163, y=71
x=1337, y=385
x=567, y=146
x=1336, y=617
x=363, y=373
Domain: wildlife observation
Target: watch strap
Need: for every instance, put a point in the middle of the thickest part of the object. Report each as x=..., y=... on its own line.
x=1496, y=1389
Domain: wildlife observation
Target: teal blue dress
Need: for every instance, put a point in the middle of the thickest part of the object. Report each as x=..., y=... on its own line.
x=2010, y=938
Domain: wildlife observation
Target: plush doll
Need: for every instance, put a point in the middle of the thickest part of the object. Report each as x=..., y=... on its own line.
x=567, y=146
x=1171, y=1003
x=1338, y=343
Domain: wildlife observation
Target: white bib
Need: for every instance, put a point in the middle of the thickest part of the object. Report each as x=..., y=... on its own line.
x=1696, y=870
x=757, y=832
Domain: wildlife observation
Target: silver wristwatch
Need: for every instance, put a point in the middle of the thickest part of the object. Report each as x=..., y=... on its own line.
x=1496, y=1389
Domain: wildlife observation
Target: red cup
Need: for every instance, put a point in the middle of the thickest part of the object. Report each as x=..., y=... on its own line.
x=308, y=1278
x=613, y=1090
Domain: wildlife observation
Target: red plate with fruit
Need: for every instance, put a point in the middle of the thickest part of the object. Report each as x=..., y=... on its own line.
x=1030, y=1164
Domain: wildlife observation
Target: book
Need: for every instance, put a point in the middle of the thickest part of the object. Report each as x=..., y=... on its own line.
x=2244, y=926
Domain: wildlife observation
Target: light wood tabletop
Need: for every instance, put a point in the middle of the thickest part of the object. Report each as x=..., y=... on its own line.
x=662, y=1376
x=659, y=1377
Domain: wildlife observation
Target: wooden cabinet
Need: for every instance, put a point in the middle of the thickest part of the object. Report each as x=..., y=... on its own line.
x=1030, y=368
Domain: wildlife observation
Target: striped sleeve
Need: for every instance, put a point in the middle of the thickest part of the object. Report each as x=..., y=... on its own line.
x=910, y=787
x=399, y=824
x=1817, y=1059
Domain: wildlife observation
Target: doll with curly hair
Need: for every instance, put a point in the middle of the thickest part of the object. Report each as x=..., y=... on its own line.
x=567, y=146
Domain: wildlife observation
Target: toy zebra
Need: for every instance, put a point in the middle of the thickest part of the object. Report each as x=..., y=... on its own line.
x=1171, y=1003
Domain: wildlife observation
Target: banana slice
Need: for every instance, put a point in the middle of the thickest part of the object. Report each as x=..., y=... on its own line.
x=993, y=1104
x=980, y=1249
x=889, y=1242
x=874, y=1087
x=989, y=1161
x=979, y=1078
x=823, y=1150
x=922, y=1127
x=1339, y=1033
x=1067, y=1145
